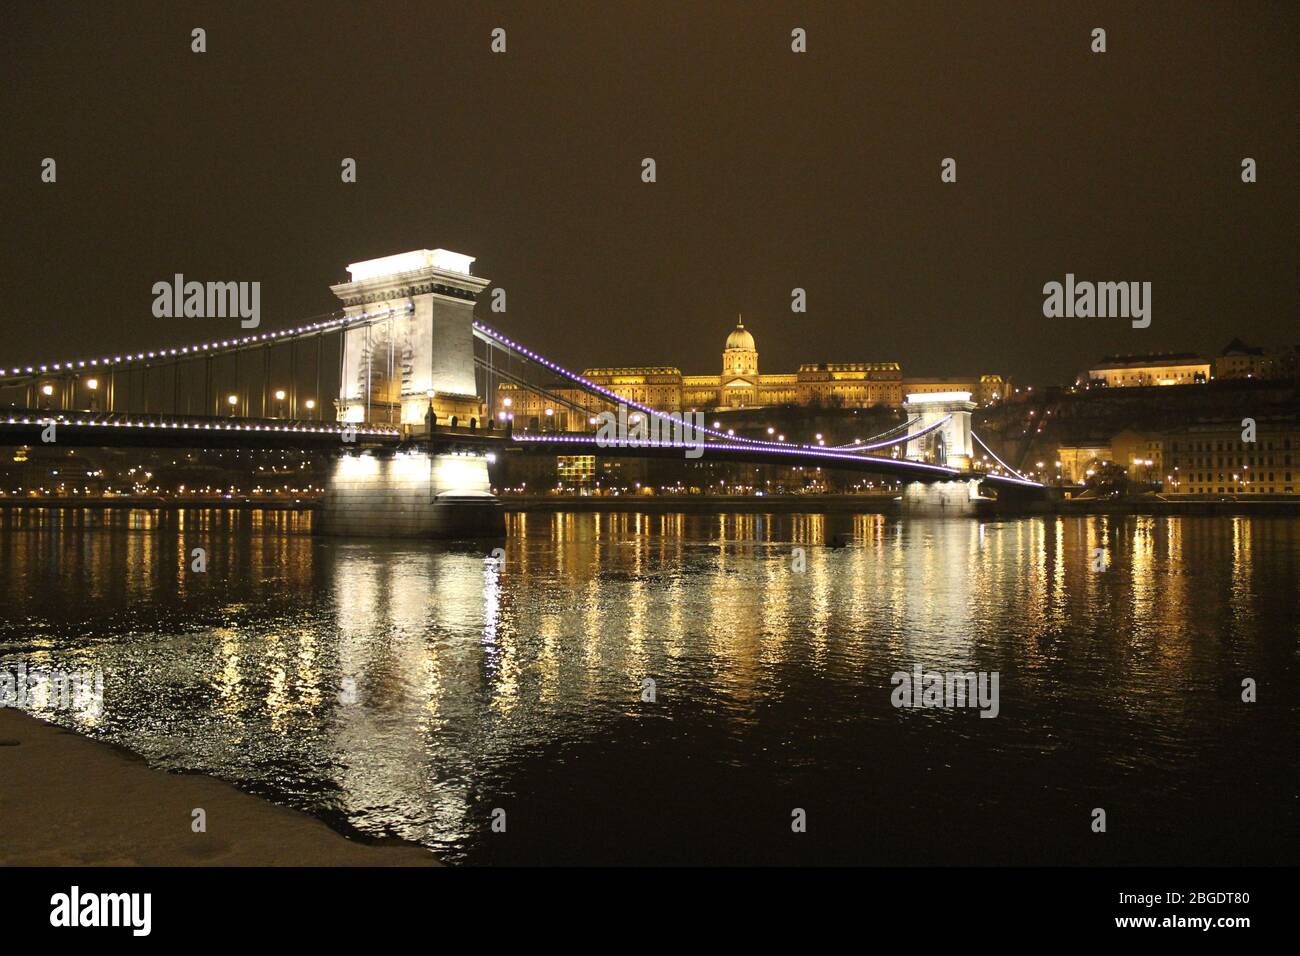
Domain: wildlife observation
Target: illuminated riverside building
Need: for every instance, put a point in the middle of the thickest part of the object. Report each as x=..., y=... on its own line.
x=1077, y=462
x=1140, y=453
x=739, y=386
x=1202, y=459
x=1212, y=459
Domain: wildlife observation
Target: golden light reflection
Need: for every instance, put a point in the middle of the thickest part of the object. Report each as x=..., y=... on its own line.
x=456, y=664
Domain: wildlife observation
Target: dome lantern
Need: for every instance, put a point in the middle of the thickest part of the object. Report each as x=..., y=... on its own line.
x=740, y=337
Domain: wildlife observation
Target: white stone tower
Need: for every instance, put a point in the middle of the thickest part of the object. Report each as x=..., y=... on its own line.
x=419, y=351
x=950, y=444
x=425, y=344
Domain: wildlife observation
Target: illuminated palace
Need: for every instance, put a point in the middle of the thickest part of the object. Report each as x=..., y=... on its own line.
x=741, y=386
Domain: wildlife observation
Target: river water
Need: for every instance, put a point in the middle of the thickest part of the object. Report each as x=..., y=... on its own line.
x=421, y=690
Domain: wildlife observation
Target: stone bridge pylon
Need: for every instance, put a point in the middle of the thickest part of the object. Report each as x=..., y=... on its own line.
x=412, y=355
x=426, y=343
x=949, y=445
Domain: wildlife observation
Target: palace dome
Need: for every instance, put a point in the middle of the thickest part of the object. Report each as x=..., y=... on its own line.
x=740, y=338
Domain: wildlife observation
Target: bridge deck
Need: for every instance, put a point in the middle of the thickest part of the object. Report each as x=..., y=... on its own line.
x=29, y=426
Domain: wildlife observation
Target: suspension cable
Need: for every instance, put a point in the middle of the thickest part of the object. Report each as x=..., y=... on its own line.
x=999, y=460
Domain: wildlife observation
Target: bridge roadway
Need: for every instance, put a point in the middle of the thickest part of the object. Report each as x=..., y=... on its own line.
x=134, y=430
x=742, y=452
x=122, y=430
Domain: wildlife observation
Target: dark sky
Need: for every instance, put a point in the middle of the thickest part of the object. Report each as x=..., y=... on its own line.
x=775, y=170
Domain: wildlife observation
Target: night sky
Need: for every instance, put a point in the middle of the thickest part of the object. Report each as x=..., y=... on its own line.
x=775, y=170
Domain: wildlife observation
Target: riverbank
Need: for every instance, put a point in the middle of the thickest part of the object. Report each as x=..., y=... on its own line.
x=154, y=502
x=888, y=504
x=1153, y=505
x=717, y=504
x=67, y=800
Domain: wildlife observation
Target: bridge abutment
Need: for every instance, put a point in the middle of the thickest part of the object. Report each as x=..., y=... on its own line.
x=956, y=499
x=409, y=494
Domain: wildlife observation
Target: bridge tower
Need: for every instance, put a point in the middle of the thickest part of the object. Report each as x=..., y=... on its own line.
x=950, y=445
x=414, y=351
x=425, y=343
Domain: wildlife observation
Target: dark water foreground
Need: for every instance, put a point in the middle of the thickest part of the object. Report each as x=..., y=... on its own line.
x=409, y=689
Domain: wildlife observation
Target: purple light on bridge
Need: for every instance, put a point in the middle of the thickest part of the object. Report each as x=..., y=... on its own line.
x=217, y=345
x=799, y=450
x=587, y=383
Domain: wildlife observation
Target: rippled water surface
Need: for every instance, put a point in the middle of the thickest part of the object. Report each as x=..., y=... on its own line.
x=411, y=688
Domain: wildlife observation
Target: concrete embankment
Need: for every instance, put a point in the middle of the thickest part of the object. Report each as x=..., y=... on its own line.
x=66, y=800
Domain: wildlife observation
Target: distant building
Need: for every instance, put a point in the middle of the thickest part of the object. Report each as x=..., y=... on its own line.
x=1204, y=458
x=1079, y=461
x=984, y=390
x=1171, y=368
x=740, y=385
x=1239, y=360
x=1141, y=454
x=1211, y=458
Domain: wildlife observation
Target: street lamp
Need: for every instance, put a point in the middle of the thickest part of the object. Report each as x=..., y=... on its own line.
x=47, y=391
x=93, y=385
x=279, y=403
x=232, y=400
x=311, y=405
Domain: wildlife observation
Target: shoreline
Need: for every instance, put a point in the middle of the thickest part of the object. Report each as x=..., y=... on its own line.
x=887, y=504
x=721, y=504
x=69, y=800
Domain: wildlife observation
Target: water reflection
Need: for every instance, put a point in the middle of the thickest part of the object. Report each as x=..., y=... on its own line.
x=409, y=688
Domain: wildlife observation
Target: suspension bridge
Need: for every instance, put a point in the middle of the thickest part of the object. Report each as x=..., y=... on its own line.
x=413, y=416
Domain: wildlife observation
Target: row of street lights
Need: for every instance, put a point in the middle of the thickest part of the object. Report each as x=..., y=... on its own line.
x=92, y=384
x=310, y=404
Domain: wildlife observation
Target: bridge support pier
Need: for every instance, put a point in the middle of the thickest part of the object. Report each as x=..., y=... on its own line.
x=410, y=494
x=956, y=499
